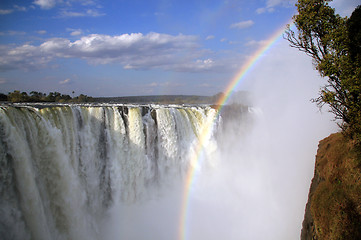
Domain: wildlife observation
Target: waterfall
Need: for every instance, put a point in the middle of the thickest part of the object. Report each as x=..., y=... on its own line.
x=63, y=168
x=118, y=172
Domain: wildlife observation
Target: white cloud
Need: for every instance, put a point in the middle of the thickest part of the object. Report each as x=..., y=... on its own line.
x=2, y=81
x=87, y=2
x=5, y=11
x=12, y=33
x=45, y=4
x=20, y=8
x=243, y=24
x=265, y=9
x=254, y=43
x=94, y=13
x=15, y=8
x=56, y=46
x=234, y=42
x=210, y=37
x=272, y=4
x=72, y=8
x=66, y=13
x=153, y=84
x=87, y=13
x=199, y=65
x=66, y=81
x=163, y=84
x=172, y=84
x=74, y=32
x=261, y=10
x=132, y=51
x=41, y=32
x=25, y=57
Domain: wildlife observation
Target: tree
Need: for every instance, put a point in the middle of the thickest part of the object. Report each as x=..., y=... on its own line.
x=37, y=96
x=3, y=97
x=325, y=36
x=354, y=81
x=16, y=96
x=354, y=34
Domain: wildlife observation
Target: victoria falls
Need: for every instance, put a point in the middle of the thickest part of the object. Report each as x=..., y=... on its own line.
x=180, y=120
x=131, y=171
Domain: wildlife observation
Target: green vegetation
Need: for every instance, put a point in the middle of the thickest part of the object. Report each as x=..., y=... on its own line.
x=334, y=43
x=3, y=97
x=17, y=96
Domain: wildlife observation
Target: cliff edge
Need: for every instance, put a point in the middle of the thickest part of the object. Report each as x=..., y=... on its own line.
x=333, y=210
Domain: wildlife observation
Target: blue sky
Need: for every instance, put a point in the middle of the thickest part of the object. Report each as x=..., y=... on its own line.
x=123, y=47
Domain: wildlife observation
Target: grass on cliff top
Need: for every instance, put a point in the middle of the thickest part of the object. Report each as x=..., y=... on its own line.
x=336, y=203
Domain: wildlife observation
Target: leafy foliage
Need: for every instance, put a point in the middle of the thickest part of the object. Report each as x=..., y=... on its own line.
x=17, y=96
x=333, y=42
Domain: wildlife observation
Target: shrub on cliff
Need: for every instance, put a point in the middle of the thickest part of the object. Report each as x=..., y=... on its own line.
x=334, y=44
x=17, y=96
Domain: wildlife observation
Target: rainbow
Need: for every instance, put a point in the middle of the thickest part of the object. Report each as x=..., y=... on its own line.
x=205, y=133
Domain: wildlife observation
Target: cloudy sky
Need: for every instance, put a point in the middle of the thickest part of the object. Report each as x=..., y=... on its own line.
x=138, y=47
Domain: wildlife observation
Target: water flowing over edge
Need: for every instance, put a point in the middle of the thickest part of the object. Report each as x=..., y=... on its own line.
x=64, y=167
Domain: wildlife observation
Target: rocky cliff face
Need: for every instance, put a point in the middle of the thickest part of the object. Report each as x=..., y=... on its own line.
x=333, y=210
x=308, y=226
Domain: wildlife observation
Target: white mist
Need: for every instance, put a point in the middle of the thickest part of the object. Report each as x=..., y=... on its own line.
x=259, y=188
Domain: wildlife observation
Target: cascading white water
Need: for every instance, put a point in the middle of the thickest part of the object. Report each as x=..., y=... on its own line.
x=116, y=172
x=64, y=168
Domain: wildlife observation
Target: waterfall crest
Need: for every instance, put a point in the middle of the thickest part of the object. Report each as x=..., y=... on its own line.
x=63, y=167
